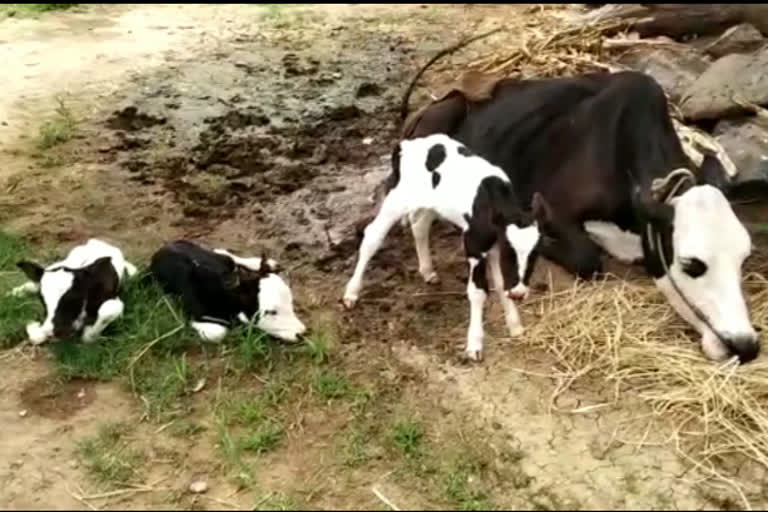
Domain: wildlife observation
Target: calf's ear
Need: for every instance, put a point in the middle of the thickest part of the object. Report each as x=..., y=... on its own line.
x=32, y=270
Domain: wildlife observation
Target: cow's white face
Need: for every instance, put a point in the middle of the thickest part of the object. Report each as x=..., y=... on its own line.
x=276, y=314
x=710, y=246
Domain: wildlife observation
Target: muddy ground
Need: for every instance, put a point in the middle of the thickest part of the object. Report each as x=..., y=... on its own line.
x=265, y=129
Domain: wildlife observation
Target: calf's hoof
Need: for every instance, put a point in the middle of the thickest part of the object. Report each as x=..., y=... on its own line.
x=349, y=302
x=475, y=355
x=515, y=331
x=430, y=277
x=36, y=334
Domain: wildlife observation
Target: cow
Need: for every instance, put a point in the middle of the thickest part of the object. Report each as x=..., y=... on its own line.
x=436, y=176
x=601, y=150
x=218, y=289
x=80, y=294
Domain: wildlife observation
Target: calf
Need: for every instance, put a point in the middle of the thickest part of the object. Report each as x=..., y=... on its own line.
x=218, y=288
x=79, y=293
x=434, y=177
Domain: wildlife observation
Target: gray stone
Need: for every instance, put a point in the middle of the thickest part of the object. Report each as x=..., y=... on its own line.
x=743, y=38
x=675, y=66
x=738, y=76
x=746, y=142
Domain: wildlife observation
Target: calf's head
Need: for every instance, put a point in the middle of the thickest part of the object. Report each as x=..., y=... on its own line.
x=264, y=293
x=704, y=246
x=64, y=293
x=519, y=248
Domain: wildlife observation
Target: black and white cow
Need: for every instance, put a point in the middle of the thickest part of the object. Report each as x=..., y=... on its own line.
x=218, y=289
x=602, y=150
x=436, y=176
x=80, y=293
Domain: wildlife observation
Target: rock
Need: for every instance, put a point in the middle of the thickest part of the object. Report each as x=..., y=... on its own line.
x=675, y=66
x=198, y=487
x=743, y=38
x=741, y=76
x=23, y=413
x=746, y=142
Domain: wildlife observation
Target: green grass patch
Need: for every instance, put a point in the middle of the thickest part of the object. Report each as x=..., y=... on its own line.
x=32, y=9
x=15, y=312
x=328, y=385
x=108, y=458
x=266, y=438
x=407, y=436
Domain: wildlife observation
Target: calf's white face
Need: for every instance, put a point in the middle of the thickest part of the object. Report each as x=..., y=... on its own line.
x=523, y=243
x=710, y=246
x=276, y=314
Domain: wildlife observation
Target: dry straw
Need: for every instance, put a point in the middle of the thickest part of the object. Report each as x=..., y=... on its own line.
x=624, y=334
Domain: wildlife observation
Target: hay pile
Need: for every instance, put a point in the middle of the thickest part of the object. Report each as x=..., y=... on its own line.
x=628, y=337
x=550, y=47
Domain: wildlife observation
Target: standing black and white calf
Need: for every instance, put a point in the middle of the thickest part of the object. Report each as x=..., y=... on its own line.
x=436, y=176
x=79, y=293
x=217, y=288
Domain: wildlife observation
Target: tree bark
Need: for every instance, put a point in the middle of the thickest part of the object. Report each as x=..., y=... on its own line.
x=677, y=20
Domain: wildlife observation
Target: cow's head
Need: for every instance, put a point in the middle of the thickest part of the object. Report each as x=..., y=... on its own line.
x=64, y=293
x=703, y=245
x=263, y=292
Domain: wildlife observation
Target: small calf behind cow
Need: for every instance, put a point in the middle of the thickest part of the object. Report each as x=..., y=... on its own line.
x=436, y=176
x=80, y=293
x=218, y=288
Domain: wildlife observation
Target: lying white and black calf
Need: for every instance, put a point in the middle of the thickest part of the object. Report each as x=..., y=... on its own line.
x=80, y=294
x=436, y=176
x=218, y=288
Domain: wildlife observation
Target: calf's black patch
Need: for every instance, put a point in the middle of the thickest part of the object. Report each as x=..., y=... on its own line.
x=435, y=157
x=480, y=276
x=435, y=179
x=465, y=151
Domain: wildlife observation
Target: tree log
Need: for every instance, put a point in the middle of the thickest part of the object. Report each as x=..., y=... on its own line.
x=677, y=20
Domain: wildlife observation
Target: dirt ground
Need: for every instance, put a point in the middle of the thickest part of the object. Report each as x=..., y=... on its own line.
x=265, y=128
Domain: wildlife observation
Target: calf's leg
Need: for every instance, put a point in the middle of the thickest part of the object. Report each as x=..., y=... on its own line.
x=210, y=331
x=393, y=208
x=421, y=222
x=511, y=316
x=477, y=292
x=109, y=311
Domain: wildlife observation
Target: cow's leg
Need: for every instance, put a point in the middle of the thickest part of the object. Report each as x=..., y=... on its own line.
x=625, y=246
x=109, y=311
x=477, y=292
x=511, y=316
x=27, y=288
x=392, y=209
x=421, y=222
x=576, y=253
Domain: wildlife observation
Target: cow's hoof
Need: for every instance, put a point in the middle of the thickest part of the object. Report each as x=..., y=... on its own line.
x=474, y=354
x=349, y=302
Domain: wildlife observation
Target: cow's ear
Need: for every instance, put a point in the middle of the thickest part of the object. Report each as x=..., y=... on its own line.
x=542, y=212
x=648, y=209
x=268, y=266
x=32, y=270
x=712, y=172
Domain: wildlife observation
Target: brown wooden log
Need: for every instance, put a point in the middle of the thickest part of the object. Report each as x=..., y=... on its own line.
x=677, y=20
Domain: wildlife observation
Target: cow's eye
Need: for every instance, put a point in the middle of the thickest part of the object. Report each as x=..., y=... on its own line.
x=694, y=267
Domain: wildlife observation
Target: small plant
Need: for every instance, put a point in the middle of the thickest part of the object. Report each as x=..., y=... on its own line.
x=187, y=429
x=58, y=130
x=108, y=459
x=318, y=347
x=458, y=488
x=264, y=439
x=329, y=385
x=407, y=436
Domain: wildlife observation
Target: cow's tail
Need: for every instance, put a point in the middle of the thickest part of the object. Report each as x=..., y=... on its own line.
x=404, y=107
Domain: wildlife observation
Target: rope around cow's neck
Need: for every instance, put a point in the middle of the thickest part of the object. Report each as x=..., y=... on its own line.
x=654, y=237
